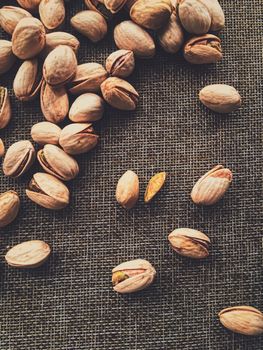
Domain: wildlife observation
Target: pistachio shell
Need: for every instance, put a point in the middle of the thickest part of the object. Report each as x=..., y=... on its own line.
x=9, y=207
x=86, y=108
x=2, y=148
x=5, y=107
x=7, y=58
x=10, y=16
x=216, y=13
x=194, y=16
x=45, y=133
x=127, y=190
x=98, y=6
x=171, y=36
x=114, y=5
x=30, y=5
x=120, y=63
x=52, y=13
x=60, y=38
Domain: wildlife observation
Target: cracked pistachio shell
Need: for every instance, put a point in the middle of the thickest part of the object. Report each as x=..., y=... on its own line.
x=2, y=148
x=19, y=158
x=45, y=133
x=114, y=5
x=171, y=36
x=88, y=107
x=52, y=13
x=151, y=14
x=10, y=16
x=216, y=13
x=203, y=49
x=130, y=36
x=30, y=5
x=48, y=192
x=194, y=16
x=120, y=63
x=245, y=320
x=54, y=103
x=190, y=243
x=58, y=163
x=60, y=38
x=88, y=78
x=78, y=138
x=90, y=24
x=9, y=207
x=7, y=58
x=29, y=38
x=5, y=107
x=29, y=254
x=212, y=186
x=28, y=80
x=120, y=94
x=60, y=66
x=220, y=98
x=99, y=6
x=127, y=190
x=133, y=276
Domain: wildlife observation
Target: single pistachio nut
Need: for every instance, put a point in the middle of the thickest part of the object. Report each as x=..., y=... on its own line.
x=60, y=38
x=9, y=207
x=130, y=36
x=120, y=94
x=10, y=16
x=114, y=5
x=99, y=6
x=29, y=254
x=90, y=24
x=203, y=49
x=127, y=190
x=2, y=148
x=7, y=58
x=88, y=78
x=171, y=36
x=78, y=138
x=5, y=107
x=28, y=80
x=194, y=16
x=29, y=38
x=245, y=320
x=52, y=13
x=48, y=192
x=30, y=5
x=120, y=63
x=45, y=133
x=216, y=13
x=212, y=186
x=54, y=102
x=220, y=98
x=88, y=107
x=151, y=14
x=132, y=276
x=60, y=66
x=190, y=243
x=154, y=186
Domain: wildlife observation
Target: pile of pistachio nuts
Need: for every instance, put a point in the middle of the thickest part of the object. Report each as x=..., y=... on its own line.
x=50, y=71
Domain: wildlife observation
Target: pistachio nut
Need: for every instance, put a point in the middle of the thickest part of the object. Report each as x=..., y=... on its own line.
x=78, y=138
x=2, y=148
x=194, y=16
x=88, y=78
x=54, y=103
x=60, y=38
x=90, y=24
x=120, y=63
x=28, y=80
x=245, y=320
x=5, y=107
x=52, y=13
x=151, y=14
x=98, y=6
x=30, y=254
x=171, y=36
x=48, y=192
x=29, y=38
x=216, y=13
x=155, y=184
x=10, y=16
x=60, y=66
x=88, y=107
x=211, y=187
x=58, y=163
x=132, y=276
x=9, y=207
x=127, y=190
x=130, y=36
x=114, y=5
x=30, y=5
x=220, y=98
x=7, y=58
x=45, y=133
x=203, y=49
x=190, y=243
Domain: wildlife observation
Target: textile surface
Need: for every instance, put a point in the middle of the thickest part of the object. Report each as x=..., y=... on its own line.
x=69, y=304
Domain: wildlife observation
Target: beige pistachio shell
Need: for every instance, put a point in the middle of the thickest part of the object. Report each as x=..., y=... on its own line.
x=127, y=190
x=52, y=13
x=194, y=16
x=5, y=107
x=245, y=320
x=120, y=63
x=60, y=38
x=58, y=163
x=216, y=13
x=45, y=133
x=99, y=6
x=19, y=158
x=171, y=36
x=88, y=107
x=211, y=187
x=9, y=207
x=47, y=191
x=30, y=254
x=10, y=16
x=2, y=148
x=7, y=58
x=114, y=5
x=30, y=5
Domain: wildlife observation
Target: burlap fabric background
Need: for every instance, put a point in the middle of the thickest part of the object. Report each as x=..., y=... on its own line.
x=68, y=304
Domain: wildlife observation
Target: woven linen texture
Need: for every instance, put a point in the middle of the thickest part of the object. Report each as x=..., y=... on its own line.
x=68, y=304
